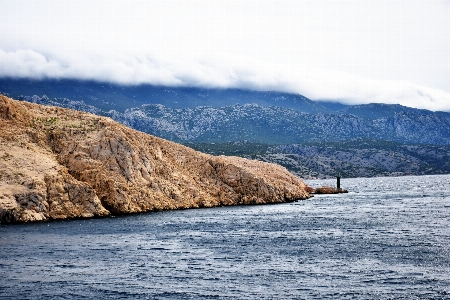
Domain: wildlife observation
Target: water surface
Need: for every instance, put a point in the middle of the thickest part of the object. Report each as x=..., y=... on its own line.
x=387, y=239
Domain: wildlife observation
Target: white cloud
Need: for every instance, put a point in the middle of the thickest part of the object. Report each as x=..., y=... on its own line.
x=226, y=72
x=353, y=51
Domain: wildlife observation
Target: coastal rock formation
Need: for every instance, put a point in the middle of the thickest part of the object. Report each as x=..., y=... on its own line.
x=57, y=163
x=328, y=190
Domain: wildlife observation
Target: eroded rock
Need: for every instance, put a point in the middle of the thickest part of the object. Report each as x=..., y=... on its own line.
x=57, y=163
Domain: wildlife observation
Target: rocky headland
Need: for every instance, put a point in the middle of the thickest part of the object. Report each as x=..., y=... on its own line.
x=58, y=163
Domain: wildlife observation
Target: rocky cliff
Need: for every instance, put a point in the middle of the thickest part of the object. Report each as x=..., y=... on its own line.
x=57, y=163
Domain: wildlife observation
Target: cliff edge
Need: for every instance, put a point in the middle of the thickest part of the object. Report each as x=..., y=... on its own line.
x=58, y=163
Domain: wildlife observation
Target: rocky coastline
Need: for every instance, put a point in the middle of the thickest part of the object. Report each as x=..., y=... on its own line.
x=58, y=163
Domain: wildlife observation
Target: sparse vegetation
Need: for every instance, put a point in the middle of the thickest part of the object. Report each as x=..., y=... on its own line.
x=51, y=121
x=6, y=156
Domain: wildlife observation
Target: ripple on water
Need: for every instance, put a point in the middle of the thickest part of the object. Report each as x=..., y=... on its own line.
x=386, y=239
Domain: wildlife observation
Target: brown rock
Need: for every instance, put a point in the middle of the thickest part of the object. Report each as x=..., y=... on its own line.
x=57, y=163
x=328, y=190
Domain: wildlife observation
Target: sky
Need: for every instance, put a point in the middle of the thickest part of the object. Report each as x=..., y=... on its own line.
x=355, y=52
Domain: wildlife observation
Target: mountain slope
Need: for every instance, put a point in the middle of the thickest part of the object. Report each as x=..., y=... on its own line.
x=57, y=163
x=107, y=96
x=360, y=158
x=353, y=158
x=380, y=110
x=274, y=124
x=199, y=117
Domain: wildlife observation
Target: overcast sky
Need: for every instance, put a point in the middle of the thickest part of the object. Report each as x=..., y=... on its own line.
x=351, y=51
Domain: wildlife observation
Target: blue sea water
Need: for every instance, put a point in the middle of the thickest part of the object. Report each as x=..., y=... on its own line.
x=388, y=238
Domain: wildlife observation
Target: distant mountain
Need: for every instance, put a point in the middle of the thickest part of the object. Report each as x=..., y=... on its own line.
x=332, y=106
x=360, y=158
x=379, y=110
x=107, y=96
x=270, y=125
x=353, y=158
x=276, y=125
x=224, y=117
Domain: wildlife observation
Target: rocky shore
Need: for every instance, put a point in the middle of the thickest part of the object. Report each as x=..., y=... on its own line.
x=58, y=163
x=328, y=190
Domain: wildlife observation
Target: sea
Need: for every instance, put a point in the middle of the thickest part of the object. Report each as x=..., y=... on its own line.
x=388, y=238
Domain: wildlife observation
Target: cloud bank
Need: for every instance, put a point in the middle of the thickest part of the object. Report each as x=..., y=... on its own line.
x=346, y=50
x=223, y=72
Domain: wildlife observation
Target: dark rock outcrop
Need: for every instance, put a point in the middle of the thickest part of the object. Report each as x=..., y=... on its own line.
x=328, y=190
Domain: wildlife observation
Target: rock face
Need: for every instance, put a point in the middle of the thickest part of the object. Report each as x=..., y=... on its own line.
x=329, y=190
x=57, y=163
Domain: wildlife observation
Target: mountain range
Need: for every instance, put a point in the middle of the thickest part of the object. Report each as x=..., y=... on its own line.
x=325, y=138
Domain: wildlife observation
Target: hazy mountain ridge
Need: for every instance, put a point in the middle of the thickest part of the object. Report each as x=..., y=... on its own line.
x=107, y=96
x=354, y=158
x=271, y=119
x=270, y=124
x=361, y=158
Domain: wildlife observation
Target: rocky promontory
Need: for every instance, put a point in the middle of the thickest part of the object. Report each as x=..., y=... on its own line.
x=57, y=163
